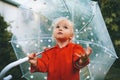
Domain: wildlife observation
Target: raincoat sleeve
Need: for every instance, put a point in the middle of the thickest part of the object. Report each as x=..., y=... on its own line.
x=42, y=64
x=79, y=50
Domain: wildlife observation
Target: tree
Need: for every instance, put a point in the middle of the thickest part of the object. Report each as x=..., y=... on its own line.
x=4, y=43
x=6, y=52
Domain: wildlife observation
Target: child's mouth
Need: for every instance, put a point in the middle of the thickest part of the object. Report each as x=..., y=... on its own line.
x=60, y=33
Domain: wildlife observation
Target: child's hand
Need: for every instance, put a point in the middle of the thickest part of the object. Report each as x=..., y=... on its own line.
x=84, y=57
x=32, y=59
x=88, y=51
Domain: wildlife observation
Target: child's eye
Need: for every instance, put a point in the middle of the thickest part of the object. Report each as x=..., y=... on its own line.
x=57, y=26
x=65, y=27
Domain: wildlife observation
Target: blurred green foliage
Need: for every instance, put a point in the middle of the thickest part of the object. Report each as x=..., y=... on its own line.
x=111, y=13
x=7, y=54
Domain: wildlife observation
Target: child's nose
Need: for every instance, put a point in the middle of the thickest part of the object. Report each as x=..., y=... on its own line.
x=60, y=29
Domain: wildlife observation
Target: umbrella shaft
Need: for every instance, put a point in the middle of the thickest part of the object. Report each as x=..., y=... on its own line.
x=11, y=65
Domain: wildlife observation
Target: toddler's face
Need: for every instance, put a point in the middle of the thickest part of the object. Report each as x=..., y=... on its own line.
x=63, y=30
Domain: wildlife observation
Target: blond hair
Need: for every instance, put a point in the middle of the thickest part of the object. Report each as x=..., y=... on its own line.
x=57, y=20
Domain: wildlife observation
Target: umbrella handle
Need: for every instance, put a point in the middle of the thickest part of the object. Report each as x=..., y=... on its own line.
x=9, y=77
x=11, y=65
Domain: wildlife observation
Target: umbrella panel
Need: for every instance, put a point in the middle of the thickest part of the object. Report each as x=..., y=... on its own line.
x=33, y=32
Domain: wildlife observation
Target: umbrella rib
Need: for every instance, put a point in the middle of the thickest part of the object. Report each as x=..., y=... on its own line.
x=89, y=42
x=86, y=23
x=66, y=7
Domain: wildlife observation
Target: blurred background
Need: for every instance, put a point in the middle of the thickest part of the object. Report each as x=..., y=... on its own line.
x=111, y=13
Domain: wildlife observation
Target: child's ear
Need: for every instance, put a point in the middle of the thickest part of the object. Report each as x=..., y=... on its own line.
x=71, y=37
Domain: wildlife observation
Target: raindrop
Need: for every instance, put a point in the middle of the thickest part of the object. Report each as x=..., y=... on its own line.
x=31, y=76
x=85, y=29
x=87, y=44
x=110, y=55
x=41, y=41
x=92, y=40
x=17, y=46
x=78, y=42
x=104, y=73
x=91, y=34
x=105, y=51
x=28, y=53
x=49, y=40
x=49, y=46
x=93, y=67
x=80, y=71
x=28, y=68
x=44, y=47
x=76, y=30
x=99, y=69
x=77, y=36
x=83, y=23
x=49, y=29
x=36, y=45
x=67, y=16
x=89, y=28
x=88, y=77
x=89, y=64
x=96, y=55
x=83, y=18
x=81, y=32
x=45, y=77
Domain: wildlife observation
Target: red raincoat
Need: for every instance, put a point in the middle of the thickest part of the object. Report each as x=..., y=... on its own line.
x=60, y=63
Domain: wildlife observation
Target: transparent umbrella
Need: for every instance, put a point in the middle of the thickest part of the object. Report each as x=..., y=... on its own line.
x=33, y=32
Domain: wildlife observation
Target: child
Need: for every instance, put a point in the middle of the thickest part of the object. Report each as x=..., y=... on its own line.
x=65, y=59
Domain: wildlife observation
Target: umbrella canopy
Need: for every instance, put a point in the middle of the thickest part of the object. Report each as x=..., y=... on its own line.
x=33, y=32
